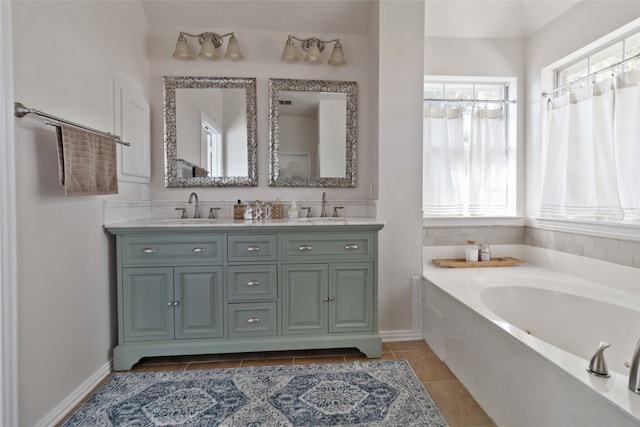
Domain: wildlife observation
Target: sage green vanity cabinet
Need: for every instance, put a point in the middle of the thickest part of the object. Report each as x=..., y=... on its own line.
x=163, y=303
x=321, y=295
x=204, y=290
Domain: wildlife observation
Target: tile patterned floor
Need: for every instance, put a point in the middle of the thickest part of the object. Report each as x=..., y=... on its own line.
x=454, y=401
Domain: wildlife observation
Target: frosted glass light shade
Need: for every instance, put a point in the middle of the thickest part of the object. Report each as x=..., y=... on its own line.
x=233, y=50
x=313, y=55
x=182, y=52
x=337, y=56
x=290, y=54
x=208, y=50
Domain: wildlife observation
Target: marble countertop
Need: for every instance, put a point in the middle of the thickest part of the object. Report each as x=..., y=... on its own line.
x=231, y=223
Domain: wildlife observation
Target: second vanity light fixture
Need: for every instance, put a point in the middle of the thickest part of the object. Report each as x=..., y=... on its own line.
x=313, y=46
x=209, y=41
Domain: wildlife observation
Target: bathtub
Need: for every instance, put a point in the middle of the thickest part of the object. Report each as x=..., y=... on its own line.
x=520, y=339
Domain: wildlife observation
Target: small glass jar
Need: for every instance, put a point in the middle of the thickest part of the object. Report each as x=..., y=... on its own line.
x=485, y=252
x=471, y=251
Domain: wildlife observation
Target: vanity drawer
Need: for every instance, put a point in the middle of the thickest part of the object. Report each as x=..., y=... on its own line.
x=328, y=246
x=254, y=247
x=171, y=250
x=252, y=283
x=250, y=320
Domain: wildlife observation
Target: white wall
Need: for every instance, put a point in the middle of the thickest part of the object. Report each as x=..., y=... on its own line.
x=580, y=26
x=262, y=50
x=400, y=71
x=65, y=57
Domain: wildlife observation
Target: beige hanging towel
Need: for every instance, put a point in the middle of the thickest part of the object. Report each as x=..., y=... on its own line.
x=87, y=162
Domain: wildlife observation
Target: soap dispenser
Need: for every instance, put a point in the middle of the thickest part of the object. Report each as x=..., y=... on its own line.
x=293, y=209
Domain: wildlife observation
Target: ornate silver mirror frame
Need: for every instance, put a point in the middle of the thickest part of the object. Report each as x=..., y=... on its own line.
x=276, y=86
x=171, y=83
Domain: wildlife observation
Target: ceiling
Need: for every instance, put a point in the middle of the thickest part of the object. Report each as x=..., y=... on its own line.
x=491, y=18
x=322, y=16
x=443, y=18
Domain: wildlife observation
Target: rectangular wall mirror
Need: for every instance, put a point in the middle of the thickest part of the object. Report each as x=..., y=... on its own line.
x=210, y=132
x=313, y=133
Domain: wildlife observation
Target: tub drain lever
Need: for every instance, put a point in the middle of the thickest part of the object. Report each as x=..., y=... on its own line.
x=597, y=365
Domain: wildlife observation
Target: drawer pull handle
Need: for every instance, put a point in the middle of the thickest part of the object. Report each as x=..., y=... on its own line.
x=253, y=283
x=253, y=320
x=304, y=248
x=351, y=246
x=198, y=250
x=148, y=251
x=253, y=249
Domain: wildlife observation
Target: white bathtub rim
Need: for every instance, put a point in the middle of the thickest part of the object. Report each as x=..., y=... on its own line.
x=613, y=390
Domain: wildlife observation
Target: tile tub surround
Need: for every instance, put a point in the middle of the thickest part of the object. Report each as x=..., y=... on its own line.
x=613, y=250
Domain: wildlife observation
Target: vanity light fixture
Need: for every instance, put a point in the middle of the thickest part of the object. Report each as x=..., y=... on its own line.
x=209, y=42
x=313, y=46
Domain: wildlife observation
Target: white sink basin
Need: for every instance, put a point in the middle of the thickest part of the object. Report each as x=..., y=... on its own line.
x=190, y=221
x=320, y=220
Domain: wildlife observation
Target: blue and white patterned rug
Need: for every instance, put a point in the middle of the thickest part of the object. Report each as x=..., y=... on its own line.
x=384, y=393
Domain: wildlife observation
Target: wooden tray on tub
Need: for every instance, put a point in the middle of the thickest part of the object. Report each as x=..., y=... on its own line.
x=461, y=263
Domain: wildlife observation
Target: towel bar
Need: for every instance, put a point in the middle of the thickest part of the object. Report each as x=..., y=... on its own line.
x=20, y=111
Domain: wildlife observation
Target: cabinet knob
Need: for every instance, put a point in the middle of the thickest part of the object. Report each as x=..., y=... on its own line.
x=351, y=246
x=198, y=250
x=170, y=304
x=253, y=283
x=325, y=299
x=332, y=298
x=148, y=251
x=176, y=303
x=304, y=248
x=253, y=249
x=253, y=320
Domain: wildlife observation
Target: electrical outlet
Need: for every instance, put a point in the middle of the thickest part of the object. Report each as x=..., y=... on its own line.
x=144, y=192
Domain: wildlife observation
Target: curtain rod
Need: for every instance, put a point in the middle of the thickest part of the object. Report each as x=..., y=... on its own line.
x=20, y=111
x=501, y=101
x=546, y=94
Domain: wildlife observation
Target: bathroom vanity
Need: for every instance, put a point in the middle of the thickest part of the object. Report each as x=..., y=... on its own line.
x=229, y=286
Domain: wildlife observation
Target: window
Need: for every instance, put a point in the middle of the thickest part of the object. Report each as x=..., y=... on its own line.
x=469, y=147
x=619, y=56
x=593, y=136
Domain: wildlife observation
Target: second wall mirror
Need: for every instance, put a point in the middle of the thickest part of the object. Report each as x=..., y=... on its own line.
x=210, y=132
x=313, y=133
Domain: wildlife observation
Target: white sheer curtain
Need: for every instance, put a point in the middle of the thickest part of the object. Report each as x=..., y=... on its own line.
x=593, y=152
x=444, y=161
x=487, y=176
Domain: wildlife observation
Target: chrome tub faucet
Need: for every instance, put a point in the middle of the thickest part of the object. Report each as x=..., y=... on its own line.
x=634, y=374
x=196, y=212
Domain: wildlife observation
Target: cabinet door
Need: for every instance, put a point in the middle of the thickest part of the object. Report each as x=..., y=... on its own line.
x=198, y=302
x=147, y=303
x=351, y=297
x=304, y=299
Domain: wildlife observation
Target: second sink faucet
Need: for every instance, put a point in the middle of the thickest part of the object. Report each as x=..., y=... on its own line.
x=196, y=212
x=323, y=214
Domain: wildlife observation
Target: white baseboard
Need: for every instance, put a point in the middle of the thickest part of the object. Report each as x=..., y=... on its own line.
x=393, y=336
x=70, y=402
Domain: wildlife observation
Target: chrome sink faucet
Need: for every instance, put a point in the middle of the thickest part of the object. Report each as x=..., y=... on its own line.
x=323, y=214
x=196, y=212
